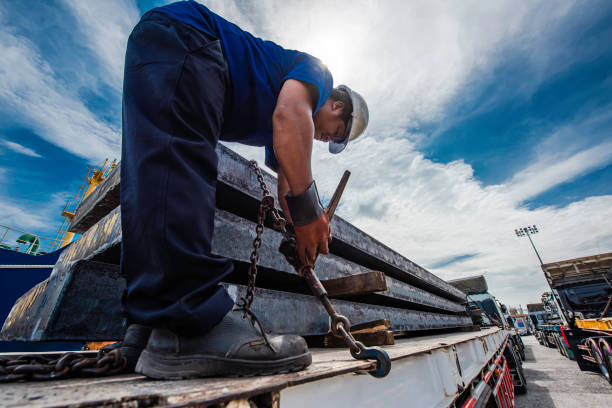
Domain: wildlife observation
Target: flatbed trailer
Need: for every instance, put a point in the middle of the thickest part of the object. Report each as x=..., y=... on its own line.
x=464, y=369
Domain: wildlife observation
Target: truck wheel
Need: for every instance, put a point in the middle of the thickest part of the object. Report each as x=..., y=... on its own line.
x=550, y=341
x=521, y=348
x=514, y=361
x=520, y=389
x=606, y=352
x=545, y=339
x=597, y=354
x=559, y=344
x=521, y=351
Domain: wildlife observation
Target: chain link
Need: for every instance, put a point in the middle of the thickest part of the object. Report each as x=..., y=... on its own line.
x=108, y=361
x=267, y=210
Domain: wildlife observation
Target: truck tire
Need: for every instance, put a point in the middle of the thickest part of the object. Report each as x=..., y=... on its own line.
x=598, y=355
x=522, y=388
x=516, y=365
x=520, y=347
x=521, y=351
x=606, y=351
x=545, y=339
x=550, y=341
x=560, y=346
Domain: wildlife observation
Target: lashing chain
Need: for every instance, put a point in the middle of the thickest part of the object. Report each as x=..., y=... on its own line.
x=267, y=210
x=108, y=361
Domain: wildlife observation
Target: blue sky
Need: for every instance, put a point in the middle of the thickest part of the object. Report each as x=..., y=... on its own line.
x=484, y=117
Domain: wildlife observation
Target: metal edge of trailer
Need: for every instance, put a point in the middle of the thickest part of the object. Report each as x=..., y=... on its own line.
x=428, y=371
x=433, y=378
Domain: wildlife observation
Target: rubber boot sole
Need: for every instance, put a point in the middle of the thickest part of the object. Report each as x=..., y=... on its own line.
x=173, y=367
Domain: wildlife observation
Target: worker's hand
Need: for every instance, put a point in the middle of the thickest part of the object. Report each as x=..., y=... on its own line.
x=312, y=239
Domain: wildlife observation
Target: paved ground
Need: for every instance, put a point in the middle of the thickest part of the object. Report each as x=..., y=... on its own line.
x=555, y=381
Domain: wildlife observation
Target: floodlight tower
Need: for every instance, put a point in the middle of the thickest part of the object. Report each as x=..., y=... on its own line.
x=529, y=231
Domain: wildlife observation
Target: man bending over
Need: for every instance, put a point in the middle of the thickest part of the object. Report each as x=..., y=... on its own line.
x=191, y=79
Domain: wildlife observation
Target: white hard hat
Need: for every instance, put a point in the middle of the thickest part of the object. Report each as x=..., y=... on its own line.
x=356, y=124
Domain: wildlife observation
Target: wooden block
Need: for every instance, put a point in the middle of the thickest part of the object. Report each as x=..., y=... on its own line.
x=379, y=338
x=371, y=327
x=353, y=285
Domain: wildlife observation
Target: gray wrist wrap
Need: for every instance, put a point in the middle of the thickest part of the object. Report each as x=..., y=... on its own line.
x=306, y=207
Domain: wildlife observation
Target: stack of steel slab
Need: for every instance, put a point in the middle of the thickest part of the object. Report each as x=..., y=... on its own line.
x=81, y=298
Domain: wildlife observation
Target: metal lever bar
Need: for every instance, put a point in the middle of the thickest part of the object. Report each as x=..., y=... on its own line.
x=335, y=200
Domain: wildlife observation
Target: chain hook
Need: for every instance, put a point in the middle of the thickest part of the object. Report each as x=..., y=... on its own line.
x=383, y=362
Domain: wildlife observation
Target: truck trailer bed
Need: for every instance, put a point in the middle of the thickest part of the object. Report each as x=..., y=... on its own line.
x=428, y=371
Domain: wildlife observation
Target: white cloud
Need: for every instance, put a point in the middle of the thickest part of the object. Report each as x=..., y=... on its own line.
x=105, y=27
x=30, y=215
x=33, y=97
x=551, y=171
x=16, y=147
x=431, y=212
x=41, y=218
x=412, y=61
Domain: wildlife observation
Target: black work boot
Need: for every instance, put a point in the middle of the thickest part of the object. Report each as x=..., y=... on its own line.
x=236, y=347
x=134, y=341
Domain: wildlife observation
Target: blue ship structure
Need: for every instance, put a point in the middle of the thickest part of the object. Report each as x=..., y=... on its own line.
x=19, y=272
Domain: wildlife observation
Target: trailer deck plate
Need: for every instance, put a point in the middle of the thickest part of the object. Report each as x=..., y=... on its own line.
x=135, y=390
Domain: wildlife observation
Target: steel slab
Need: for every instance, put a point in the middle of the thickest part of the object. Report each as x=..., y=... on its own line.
x=235, y=174
x=100, y=202
x=88, y=298
x=233, y=239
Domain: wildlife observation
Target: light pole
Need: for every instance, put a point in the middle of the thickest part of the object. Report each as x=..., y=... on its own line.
x=529, y=231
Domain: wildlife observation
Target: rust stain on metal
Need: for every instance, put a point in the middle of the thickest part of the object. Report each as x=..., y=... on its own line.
x=484, y=345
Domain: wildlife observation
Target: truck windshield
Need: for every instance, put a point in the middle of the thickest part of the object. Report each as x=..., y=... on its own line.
x=588, y=299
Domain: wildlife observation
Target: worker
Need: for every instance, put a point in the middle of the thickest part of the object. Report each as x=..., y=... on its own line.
x=192, y=79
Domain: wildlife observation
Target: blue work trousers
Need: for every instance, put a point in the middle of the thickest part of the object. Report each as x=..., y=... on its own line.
x=173, y=97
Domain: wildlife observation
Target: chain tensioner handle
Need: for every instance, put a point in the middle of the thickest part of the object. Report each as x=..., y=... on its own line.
x=340, y=325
